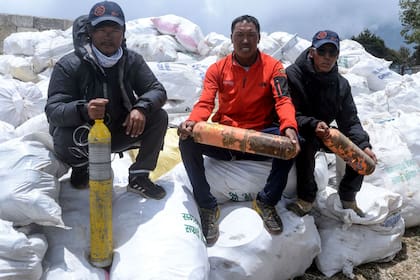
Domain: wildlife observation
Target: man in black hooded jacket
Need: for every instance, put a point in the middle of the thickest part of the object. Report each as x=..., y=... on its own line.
x=321, y=95
x=102, y=79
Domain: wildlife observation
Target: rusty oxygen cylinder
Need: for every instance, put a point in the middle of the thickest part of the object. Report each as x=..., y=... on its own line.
x=244, y=140
x=342, y=146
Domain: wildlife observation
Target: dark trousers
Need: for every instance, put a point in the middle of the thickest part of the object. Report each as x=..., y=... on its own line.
x=305, y=166
x=192, y=157
x=71, y=146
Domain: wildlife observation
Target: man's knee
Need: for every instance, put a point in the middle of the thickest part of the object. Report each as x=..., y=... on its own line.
x=186, y=144
x=160, y=118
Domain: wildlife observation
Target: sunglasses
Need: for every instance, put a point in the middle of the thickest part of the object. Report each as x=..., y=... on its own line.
x=324, y=51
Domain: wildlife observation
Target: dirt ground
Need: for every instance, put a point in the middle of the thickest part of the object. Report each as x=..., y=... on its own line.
x=405, y=265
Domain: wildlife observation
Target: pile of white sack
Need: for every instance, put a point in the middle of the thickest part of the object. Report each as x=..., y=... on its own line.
x=44, y=222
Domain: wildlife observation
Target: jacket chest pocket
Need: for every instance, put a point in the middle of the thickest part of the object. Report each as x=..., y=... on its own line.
x=228, y=90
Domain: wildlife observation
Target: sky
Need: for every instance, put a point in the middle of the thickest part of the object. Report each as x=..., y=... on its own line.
x=301, y=17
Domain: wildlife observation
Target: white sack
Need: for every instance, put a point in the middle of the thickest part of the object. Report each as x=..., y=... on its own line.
x=223, y=50
x=349, y=240
x=68, y=251
x=120, y=169
x=377, y=203
x=28, y=197
x=405, y=95
x=246, y=246
x=397, y=169
x=245, y=249
x=48, y=52
x=354, y=58
x=186, y=57
x=408, y=126
x=44, y=83
x=238, y=180
x=241, y=180
x=22, y=69
x=220, y=51
x=20, y=255
x=5, y=61
x=189, y=35
x=29, y=172
x=7, y=131
x=141, y=230
x=267, y=44
x=24, y=43
x=140, y=26
x=160, y=48
x=282, y=37
x=377, y=73
x=33, y=151
x=358, y=84
x=35, y=124
x=159, y=239
x=182, y=84
x=291, y=46
x=321, y=173
x=211, y=43
x=17, y=66
x=373, y=106
x=351, y=52
x=20, y=101
x=201, y=66
x=186, y=32
x=63, y=263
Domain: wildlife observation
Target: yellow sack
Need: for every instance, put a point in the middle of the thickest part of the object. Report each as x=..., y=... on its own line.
x=168, y=157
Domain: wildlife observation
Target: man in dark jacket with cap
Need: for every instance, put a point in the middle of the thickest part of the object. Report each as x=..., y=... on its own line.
x=321, y=95
x=102, y=79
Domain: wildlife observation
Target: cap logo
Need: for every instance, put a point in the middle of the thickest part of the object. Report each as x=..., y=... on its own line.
x=321, y=35
x=115, y=14
x=99, y=11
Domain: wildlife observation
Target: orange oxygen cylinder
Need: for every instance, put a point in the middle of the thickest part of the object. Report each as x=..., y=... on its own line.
x=244, y=140
x=342, y=146
x=100, y=196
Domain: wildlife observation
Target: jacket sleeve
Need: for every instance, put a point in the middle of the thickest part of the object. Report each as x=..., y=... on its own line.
x=305, y=122
x=348, y=121
x=283, y=104
x=65, y=105
x=151, y=95
x=206, y=103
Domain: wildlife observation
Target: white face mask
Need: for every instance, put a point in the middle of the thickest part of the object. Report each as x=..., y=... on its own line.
x=107, y=61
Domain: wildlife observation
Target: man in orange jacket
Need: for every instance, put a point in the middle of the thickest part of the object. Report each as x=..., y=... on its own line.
x=252, y=94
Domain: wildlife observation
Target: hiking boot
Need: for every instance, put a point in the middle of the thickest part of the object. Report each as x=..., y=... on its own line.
x=300, y=207
x=268, y=213
x=143, y=186
x=353, y=205
x=209, y=224
x=80, y=177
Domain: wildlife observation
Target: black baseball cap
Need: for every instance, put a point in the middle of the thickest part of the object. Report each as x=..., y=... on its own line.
x=326, y=36
x=106, y=11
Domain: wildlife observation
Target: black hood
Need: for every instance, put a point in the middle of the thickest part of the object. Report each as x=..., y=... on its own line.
x=80, y=35
x=81, y=39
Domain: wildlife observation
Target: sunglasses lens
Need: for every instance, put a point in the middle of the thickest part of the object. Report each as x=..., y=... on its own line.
x=321, y=52
x=324, y=52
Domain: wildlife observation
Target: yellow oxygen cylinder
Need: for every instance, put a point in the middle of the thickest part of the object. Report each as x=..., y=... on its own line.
x=100, y=184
